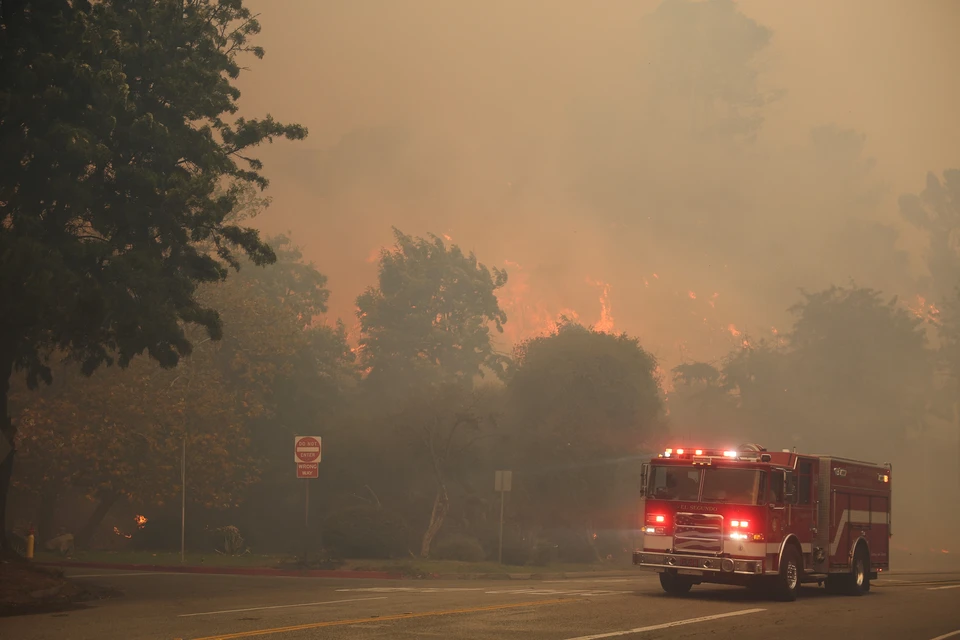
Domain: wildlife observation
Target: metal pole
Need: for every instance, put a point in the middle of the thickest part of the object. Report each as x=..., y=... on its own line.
x=500, y=551
x=306, y=524
x=183, y=500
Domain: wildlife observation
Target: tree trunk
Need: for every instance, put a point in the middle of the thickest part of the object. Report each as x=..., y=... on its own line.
x=45, y=515
x=8, y=434
x=83, y=538
x=441, y=505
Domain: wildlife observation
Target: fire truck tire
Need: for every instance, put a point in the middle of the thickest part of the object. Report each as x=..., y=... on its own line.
x=675, y=585
x=858, y=582
x=788, y=582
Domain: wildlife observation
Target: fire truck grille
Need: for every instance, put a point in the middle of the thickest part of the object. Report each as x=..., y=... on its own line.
x=698, y=532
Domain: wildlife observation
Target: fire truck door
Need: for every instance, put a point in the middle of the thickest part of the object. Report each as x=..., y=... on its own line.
x=803, y=512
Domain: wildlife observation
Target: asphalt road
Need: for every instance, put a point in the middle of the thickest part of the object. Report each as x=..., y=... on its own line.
x=193, y=607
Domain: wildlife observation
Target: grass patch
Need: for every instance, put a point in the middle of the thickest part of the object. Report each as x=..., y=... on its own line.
x=404, y=566
x=166, y=558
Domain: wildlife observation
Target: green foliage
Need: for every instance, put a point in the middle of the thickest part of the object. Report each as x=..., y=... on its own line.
x=579, y=404
x=854, y=366
x=460, y=547
x=117, y=129
x=428, y=319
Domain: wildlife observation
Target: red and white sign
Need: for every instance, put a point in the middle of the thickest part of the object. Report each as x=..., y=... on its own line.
x=308, y=470
x=306, y=449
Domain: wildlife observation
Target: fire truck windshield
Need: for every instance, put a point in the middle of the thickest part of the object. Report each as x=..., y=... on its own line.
x=719, y=484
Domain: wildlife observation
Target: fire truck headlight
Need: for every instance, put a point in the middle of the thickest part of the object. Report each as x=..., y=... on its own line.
x=648, y=530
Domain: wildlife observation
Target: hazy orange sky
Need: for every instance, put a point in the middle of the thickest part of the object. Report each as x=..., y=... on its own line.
x=485, y=121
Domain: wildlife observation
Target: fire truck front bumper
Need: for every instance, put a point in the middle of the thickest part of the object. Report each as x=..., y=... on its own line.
x=659, y=562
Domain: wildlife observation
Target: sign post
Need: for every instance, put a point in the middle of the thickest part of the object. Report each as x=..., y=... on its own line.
x=502, y=482
x=306, y=453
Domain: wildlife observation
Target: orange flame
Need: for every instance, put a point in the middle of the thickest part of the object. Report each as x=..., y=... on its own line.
x=732, y=328
x=928, y=312
x=140, y=520
x=605, y=324
x=692, y=295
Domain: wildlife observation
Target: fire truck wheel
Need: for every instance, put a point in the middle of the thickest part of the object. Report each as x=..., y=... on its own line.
x=675, y=585
x=788, y=582
x=858, y=582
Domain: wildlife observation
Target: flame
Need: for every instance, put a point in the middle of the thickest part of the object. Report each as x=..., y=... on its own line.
x=713, y=300
x=927, y=312
x=732, y=328
x=447, y=237
x=656, y=276
x=525, y=319
x=692, y=295
x=374, y=255
x=605, y=324
x=140, y=520
x=646, y=282
x=117, y=531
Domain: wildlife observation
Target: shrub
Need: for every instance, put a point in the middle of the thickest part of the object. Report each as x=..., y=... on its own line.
x=571, y=546
x=458, y=546
x=365, y=532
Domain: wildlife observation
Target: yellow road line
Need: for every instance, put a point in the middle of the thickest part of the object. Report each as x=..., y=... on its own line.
x=400, y=616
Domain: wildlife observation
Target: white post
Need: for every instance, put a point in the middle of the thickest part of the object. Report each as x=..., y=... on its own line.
x=183, y=500
x=500, y=553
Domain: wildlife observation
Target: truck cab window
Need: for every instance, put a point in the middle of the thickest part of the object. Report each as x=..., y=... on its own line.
x=805, y=482
x=675, y=483
x=776, y=488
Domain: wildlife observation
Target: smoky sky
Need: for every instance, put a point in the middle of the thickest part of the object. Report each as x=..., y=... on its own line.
x=688, y=164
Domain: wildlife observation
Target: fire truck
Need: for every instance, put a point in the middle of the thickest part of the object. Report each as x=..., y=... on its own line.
x=765, y=520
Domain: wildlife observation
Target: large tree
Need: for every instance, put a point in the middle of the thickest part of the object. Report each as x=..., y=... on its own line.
x=580, y=402
x=117, y=132
x=429, y=317
x=856, y=372
x=936, y=210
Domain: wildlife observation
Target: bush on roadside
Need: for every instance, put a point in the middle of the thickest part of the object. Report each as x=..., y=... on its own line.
x=460, y=547
x=565, y=545
x=365, y=532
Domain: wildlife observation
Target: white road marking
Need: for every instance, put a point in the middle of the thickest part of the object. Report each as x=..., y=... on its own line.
x=678, y=623
x=947, y=635
x=551, y=592
x=279, y=606
x=952, y=586
x=574, y=580
x=412, y=589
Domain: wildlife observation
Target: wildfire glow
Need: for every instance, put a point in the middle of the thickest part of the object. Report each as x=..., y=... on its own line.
x=605, y=324
x=927, y=312
x=140, y=520
x=691, y=295
x=732, y=328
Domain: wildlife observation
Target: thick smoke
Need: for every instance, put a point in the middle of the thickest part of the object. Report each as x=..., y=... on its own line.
x=676, y=170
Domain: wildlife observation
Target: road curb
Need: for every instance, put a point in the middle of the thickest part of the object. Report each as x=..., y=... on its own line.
x=236, y=571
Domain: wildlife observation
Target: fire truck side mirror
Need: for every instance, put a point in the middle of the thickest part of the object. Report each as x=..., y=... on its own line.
x=644, y=478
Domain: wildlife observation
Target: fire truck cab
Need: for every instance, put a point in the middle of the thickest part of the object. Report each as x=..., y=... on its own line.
x=765, y=520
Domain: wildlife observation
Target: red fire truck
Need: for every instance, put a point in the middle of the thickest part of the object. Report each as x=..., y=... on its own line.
x=765, y=520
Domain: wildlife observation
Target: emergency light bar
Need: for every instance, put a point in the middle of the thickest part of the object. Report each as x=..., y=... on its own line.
x=747, y=453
